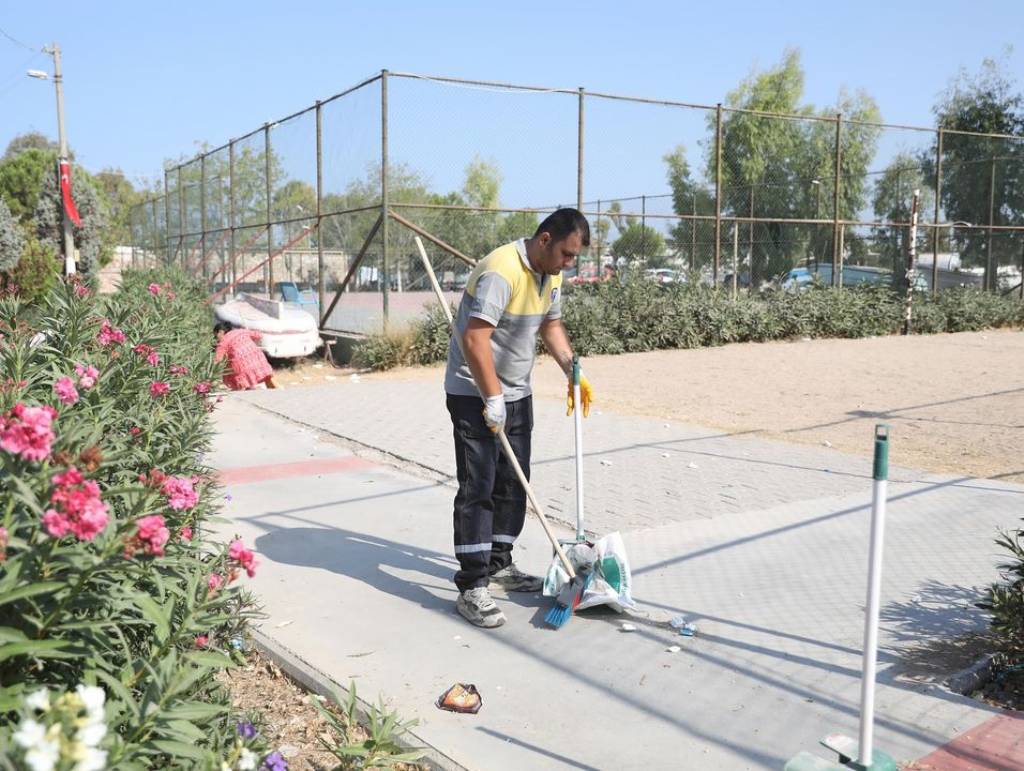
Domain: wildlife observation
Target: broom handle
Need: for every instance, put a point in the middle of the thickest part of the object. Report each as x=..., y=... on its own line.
x=578, y=428
x=513, y=461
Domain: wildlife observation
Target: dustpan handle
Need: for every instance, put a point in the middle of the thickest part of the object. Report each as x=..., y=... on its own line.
x=577, y=414
x=505, y=446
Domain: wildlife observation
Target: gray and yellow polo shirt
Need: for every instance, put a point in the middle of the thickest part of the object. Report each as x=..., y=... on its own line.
x=503, y=290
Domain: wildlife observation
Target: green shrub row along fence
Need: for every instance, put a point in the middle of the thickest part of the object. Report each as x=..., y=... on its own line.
x=718, y=192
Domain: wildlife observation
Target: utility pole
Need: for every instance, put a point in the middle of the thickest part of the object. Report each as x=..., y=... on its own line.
x=63, y=162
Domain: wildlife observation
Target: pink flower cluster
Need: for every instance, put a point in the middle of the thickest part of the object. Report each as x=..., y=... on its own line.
x=185, y=533
x=245, y=558
x=109, y=335
x=180, y=492
x=87, y=376
x=154, y=289
x=214, y=582
x=177, y=369
x=77, y=507
x=3, y=543
x=149, y=352
x=64, y=387
x=202, y=388
x=158, y=388
x=150, y=537
x=28, y=431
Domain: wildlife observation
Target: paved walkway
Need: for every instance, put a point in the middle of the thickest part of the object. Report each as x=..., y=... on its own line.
x=763, y=545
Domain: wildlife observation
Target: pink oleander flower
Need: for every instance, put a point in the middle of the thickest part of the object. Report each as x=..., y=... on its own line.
x=82, y=290
x=109, y=335
x=201, y=388
x=64, y=387
x=27, y=431
x=202, y=640
x=135, y=430
x=215, y=582
x=87, y=376
x=77, y=507
x=142, y=349
x=153, y=478
x=3, y=543
x=244, y=557
x=180, y=493
x=154, y=289
x=185, y=533
x=177, y=369
x=153, y=358
x=158, y=388
x=153, y=534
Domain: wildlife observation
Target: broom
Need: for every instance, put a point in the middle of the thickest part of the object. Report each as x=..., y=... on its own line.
x=569, y=598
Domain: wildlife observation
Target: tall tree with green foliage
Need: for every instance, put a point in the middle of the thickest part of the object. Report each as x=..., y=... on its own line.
x=892, y=201
x=12, y=240
x=771, y=166
x=641, y=242
x=32, y=140
x=689, y=238
x=21, y=177
x=92, y=237
x=982, y=177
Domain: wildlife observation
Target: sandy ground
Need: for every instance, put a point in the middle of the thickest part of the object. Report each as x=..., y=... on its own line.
x=955, y=403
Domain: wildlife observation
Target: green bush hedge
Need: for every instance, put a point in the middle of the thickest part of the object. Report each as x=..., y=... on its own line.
x=115, y=608
x=611, y=318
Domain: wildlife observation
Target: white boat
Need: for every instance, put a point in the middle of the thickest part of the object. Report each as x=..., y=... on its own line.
x=288, y=331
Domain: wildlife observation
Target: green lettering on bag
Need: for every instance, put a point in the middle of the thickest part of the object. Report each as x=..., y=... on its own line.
x=611, y=573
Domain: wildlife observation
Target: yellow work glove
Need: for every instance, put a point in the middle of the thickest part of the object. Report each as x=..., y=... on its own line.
x=586, y=396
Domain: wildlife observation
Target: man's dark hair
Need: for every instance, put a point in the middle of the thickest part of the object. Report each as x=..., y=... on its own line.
x=563, y=223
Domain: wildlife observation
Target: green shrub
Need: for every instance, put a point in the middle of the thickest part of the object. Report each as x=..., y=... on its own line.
x=36, y=271
x=112, y=598
x=1005, y=600
x=383, y=351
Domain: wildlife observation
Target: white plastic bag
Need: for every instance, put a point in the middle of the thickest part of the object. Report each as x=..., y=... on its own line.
x=611, y=584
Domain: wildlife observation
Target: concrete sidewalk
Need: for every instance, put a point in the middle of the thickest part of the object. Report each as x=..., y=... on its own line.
x=763, y=545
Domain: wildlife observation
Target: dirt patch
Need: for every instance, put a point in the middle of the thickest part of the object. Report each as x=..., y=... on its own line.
x=955, y=402
x=291, y=723
x=1004, y=689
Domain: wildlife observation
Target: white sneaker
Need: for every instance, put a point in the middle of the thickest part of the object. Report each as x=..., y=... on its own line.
x=478, y=608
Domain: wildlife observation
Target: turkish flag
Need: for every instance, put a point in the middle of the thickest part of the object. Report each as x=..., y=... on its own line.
x=65, y=191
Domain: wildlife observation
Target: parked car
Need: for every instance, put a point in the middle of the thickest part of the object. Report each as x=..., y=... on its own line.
x=664, y=275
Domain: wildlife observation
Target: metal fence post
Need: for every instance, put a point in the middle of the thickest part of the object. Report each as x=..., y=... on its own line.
x=231, y=209
x=156, y=235
x=320, y=293
x=167, y=220
x=990, y=282
x=693, y=236
x=718, y=191
x=270, y=231
x=935, y=221
x=384, y=199
x=643, y=228
x=579, y=154
x=181, y=221
x=837, y=258
x=202, y=212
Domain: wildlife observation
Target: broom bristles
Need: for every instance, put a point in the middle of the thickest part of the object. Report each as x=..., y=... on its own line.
x=566, y=602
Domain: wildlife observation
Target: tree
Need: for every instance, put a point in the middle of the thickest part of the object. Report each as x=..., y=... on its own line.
x=772, y=166
x=120, y=196
x=21, y=176
x=892, y=201
x=32, y=140
x=979, y=170
x=688, y=237
x=92, y=238
x=12, y=240
x=516, y=225
x=640, y=242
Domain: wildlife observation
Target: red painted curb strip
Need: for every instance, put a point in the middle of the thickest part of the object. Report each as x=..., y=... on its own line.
x=248, y=474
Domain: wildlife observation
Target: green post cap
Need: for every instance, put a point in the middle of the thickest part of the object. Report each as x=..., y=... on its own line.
x=881, y=470
x=575, y=370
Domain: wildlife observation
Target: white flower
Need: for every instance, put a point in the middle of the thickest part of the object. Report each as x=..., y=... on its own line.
x=43, y=758
x=93, y=697
x=29, y=734
x=247, y=760
x=92, y=760
x=91, y=734
x=39, y=700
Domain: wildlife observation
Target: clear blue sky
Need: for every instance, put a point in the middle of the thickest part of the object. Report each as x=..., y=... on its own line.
x=146, y=81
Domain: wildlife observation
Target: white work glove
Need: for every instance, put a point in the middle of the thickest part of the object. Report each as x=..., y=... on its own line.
x=494, y=412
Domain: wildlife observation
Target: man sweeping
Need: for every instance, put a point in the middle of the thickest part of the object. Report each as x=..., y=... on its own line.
x=511, y=295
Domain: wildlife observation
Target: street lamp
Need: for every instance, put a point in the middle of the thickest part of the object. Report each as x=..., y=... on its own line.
x=62, y=160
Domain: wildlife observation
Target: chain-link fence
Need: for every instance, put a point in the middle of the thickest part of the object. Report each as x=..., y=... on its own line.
x=678, y=191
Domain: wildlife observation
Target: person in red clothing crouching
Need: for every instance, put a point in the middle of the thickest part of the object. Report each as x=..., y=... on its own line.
x=247, y=364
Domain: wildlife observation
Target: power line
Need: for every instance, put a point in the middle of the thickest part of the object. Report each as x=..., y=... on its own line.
x=16, y=41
